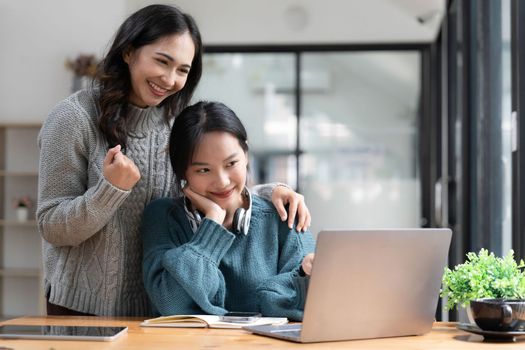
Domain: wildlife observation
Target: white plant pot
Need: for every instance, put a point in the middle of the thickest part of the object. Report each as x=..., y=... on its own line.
x=22, y=214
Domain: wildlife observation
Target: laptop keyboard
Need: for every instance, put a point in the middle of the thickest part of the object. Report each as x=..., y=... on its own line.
x=288, y=330
x=291, y=334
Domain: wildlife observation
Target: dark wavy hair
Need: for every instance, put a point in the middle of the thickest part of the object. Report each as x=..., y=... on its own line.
x=143, y=27
x=189, y=128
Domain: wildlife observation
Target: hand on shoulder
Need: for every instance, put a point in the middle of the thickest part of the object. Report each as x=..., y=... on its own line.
x=281, y=196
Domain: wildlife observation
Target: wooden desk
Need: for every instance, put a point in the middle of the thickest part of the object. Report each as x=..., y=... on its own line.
x=443, y=336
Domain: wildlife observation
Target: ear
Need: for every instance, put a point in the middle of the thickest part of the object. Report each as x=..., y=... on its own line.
x=247, y=164
x=247, y=170
x=127, y=54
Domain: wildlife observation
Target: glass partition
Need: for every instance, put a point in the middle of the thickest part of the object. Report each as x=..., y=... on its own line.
x=359, y=138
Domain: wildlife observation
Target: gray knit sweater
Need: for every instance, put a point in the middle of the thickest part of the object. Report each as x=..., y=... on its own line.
x=91, y=247
x=92, y=250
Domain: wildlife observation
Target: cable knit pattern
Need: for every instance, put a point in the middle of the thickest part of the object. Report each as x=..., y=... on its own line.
x=213, y=270
x=92, y=250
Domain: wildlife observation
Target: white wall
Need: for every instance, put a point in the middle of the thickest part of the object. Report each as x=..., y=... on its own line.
x=36, y=38
x=311, y=21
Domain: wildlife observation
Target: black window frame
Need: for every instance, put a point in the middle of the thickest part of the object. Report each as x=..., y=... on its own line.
x=518, y=107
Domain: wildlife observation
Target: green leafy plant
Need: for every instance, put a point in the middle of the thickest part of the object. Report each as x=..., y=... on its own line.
x=483, y=275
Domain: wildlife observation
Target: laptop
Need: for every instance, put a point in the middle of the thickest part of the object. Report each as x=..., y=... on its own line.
x=370, y=284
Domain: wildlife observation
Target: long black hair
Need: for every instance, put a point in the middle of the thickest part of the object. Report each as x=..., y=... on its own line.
x=189, y=128
x=142, y=28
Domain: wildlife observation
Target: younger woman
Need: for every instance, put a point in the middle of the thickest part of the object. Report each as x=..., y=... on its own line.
x=221, y=248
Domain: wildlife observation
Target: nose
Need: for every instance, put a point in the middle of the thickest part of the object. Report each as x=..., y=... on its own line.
x=170, y=79
x=222, y=180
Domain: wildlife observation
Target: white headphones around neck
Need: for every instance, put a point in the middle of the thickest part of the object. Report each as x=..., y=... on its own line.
x=241, y=217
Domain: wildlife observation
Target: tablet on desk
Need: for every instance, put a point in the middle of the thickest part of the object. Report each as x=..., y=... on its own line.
x=62, y=332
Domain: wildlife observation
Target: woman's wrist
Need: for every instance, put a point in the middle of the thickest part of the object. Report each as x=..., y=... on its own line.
x=217, y=216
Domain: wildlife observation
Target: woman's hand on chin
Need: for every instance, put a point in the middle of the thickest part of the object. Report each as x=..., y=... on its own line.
x=205, y=205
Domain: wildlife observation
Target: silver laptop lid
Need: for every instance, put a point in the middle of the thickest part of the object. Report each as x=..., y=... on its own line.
x=374, y=283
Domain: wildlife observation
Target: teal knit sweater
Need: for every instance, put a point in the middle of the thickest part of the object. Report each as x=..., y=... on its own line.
x=214, y=271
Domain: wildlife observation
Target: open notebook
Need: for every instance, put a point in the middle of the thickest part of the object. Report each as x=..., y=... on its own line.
x=210, y=321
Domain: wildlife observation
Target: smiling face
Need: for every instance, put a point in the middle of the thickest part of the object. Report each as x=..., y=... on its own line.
x=160, y=69
x=218, y=170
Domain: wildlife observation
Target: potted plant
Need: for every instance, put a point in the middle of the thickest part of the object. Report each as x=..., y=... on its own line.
x=483, y=275
x=84, y=68
x=22, y=206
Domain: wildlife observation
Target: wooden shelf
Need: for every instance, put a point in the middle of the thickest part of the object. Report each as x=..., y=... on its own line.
x=9, y=173
x=19, y=272
x=25, y=125
x=20, y=243
x=28, y=223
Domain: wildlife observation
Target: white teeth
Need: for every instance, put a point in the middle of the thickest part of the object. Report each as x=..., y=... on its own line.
x=157, y=88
